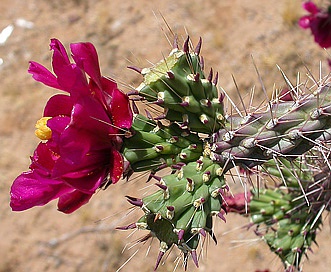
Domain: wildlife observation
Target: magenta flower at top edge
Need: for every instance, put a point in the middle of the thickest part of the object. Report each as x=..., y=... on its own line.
x=319, y=22
x=80, y=132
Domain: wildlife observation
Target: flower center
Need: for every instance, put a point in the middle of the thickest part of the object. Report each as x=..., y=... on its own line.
x=42, y=131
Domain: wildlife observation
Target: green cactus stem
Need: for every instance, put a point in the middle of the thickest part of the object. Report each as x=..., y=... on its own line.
x=288, y=218
x=181, y=211
x=153, y=145
x=285, y=129
x=178, y=85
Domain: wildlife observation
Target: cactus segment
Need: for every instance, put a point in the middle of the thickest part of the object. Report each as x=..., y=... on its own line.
x=181, y=211
x=153, y=145
x=289, y=217
x=286, y=129
x=290, y=226
x=178, y=84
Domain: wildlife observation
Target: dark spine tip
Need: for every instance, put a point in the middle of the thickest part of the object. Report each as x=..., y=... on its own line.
x=186, y=45
x=159, y=102
x=162, y=166
x=211, y=233
x=203, y=232
x=134, y=68
x=171, y=75
x=198, y=47
x=226, y=188
x=196, y=77
x=195, y=258
x=161, y=186
x=134, y=107
x=199, y=161
x=162, y=116
x=221, y=97
x=134, y=201
x=170, y=208
x=158, y=260
x=180, y=234
x=210, y=76
x=183, y=155
x=175, y=138
x=148, y=115
x=215, y=81
x=184, y=104
x=176, y=166
x=221, y=216
x=133, y=92
x=131, y=226
x=155, y=177
x=181, y=164
x=159, y=147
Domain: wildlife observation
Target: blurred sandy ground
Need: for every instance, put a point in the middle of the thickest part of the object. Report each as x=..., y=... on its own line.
x=125, y=33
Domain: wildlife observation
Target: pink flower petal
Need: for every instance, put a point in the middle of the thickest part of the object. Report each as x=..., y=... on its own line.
x=116, y=166
x=86, y=58
x=304, y=21
x=43, y=75
x=310, y=7
x=59, y=104
x=60, y=56
x=120, y=109
x=321, y=29
x=43, y=160
x=29, y=190
x=89, y=114
x=72, y=201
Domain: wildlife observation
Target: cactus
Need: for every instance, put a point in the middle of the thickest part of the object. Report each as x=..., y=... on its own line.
x=154, y=145
x=285, y=129
x=181, y=211
x=288, y=218
x=178, y=84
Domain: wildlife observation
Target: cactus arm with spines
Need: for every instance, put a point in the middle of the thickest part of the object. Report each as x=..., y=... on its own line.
x=291, y=228
x=153, y=145
x=192, y=194
x=287, y=129
x=178, y=85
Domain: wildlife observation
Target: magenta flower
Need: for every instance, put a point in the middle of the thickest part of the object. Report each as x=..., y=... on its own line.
x=81, y=133
x=319, y=22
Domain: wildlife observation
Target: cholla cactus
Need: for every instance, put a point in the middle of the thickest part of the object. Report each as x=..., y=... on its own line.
x=288, y=217
x=178, y=84
x=182, y=210
x=194, y=138
x=154, y=145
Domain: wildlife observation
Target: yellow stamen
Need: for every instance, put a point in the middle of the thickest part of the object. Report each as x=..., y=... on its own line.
x=42, y=131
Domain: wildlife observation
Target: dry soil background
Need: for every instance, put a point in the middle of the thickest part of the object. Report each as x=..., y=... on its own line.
x=133, y=32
